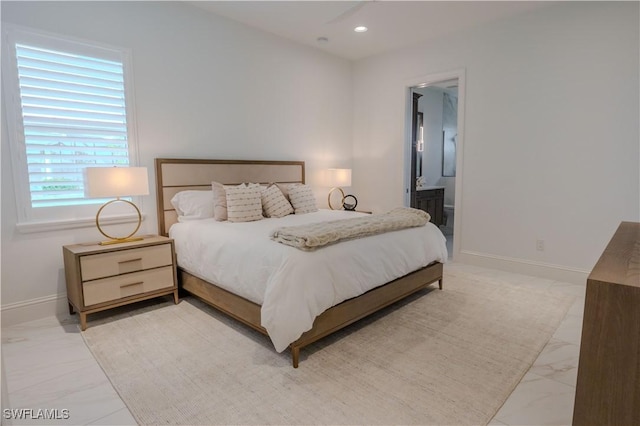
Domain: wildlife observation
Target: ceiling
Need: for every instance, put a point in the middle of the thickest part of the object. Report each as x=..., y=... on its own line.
x=392, y=24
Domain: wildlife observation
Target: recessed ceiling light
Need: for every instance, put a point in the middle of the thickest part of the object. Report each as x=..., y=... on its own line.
x=360, y=29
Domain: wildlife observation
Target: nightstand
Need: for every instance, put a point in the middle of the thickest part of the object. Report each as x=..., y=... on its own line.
x=105, y=277
x=359, y=211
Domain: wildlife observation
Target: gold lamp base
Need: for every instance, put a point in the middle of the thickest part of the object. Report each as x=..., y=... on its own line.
x=329, y=197
x=118, y=240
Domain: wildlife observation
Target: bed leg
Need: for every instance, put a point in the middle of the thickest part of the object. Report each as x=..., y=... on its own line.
x=440, y=283
x=295, y=355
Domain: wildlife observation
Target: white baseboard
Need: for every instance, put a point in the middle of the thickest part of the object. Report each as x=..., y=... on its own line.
x=526, y=267
x=34, y=309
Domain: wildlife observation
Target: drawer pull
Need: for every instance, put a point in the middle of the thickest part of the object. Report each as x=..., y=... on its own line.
x=132, y=284
x=130, y=260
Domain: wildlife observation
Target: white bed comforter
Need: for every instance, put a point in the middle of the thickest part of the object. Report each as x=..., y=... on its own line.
x=295, y=286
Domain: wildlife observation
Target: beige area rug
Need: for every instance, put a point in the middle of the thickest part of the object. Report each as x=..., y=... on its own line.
x=440, y=357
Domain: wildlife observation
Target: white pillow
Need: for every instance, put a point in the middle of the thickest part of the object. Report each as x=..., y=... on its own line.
x=193, y=205
x=274, y=202
x=243, y=203
x=302, y=199
x=219, y=201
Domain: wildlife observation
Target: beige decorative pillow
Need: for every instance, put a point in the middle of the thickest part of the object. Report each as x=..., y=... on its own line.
x=243, y=204
x=285, y=187
x=302, y=199
x=274, y=203
x=219, y=201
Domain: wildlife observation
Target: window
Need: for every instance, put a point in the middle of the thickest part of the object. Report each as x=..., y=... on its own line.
x=73, y=114
x=66, y=104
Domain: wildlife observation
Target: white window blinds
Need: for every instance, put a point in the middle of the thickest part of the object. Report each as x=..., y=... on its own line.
x=74, y=115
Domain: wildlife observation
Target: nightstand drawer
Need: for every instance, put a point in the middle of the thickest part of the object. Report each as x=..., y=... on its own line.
x=122, y=262
x=113, y=288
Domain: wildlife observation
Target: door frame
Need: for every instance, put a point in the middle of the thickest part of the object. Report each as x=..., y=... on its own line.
x=409, y=186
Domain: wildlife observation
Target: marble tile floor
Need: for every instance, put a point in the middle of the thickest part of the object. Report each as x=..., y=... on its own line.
x=46, y=364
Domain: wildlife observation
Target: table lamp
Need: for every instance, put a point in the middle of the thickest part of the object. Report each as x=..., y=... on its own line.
x=335, y=178
x=104, y=182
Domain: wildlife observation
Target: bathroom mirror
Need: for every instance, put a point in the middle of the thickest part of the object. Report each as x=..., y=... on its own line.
x=449, y=137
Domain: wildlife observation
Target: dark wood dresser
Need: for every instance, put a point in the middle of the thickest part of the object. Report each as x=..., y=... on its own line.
x=431, y=200
x=608, y=387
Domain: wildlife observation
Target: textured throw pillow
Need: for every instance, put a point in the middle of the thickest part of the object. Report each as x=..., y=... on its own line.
x=285, y=187
x=302, y=199
x=219, y=201
x=243, y=204
x=193, y=205
x=274, y=202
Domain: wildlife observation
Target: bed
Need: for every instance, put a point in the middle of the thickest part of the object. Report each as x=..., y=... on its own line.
x=204, y=279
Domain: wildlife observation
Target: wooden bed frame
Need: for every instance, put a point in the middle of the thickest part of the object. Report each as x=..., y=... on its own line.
x=175, y=175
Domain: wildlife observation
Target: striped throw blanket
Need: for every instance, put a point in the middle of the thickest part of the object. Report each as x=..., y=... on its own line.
x=316, y=235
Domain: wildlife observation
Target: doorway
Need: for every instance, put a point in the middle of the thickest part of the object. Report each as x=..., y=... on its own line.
x=434, y=135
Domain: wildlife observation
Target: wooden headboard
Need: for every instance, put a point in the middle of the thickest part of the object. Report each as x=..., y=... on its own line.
x=176, y=174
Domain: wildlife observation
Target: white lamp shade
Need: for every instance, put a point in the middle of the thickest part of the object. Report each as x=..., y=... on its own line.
x=115, y=181
x=338, y=177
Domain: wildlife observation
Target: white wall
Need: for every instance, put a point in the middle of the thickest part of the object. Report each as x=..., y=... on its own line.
x=551, y=144
x=205, y=87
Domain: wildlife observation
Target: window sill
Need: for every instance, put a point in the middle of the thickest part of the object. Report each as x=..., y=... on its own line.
x=57, y=225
